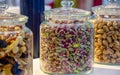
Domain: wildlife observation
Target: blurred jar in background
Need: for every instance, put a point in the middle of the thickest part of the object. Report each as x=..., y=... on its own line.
x=83, y=4
x=106, y=2
x=13, y=2
x=14, y=6
x=57, y=3
x=49, y=3
x=87, y=4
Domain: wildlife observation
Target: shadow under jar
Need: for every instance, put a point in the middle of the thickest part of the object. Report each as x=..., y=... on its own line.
x=107, y=33
x=66, y=41
x=16, y=45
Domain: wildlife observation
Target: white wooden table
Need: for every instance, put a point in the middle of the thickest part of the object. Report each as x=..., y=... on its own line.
x=98, y=69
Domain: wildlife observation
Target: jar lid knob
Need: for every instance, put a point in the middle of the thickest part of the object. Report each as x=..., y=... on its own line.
x=67, y=3
x=3, y=6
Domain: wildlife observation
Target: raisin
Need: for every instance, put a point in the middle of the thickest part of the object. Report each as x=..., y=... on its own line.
x=15, y=69
x=24, y=55
x=7, y=60
x=18, y=72
x=3, y=44
x=10, y=59
x=4, y=61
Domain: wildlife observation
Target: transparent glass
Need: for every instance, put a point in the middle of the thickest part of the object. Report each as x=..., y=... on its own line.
x=66, y=47
x=16, y=45
x=107, y=33
x=107, y=40
x=66, y=41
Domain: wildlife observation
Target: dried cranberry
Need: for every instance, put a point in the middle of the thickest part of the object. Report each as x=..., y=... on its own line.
x=72, y=32
x=62, y=32
x=68, y=40
x=83, y=52
x=59, y=29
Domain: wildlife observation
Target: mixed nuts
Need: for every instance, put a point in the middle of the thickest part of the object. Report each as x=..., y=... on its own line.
x=15, y=50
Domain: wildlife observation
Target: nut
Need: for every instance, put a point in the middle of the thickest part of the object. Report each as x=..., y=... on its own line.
x=105, y=43
x=109, y=23
x=100, y=31
x=15, y=50
x=23, y=49
x=98, y=36
x=118, y=53
x=104, y=35
x=105, y=28
x=114, y=56
x=118, y=60
x=109, y=39
x=2, y=54
x=111, y=28
x=98, y=52
x=99, y=41
x=110, y=33
x=113, y=60
x=100, y=26
x=114, y=37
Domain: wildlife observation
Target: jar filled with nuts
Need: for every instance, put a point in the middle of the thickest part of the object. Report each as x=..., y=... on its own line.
x=16, y=43
x=66, y=41
x=107, y=33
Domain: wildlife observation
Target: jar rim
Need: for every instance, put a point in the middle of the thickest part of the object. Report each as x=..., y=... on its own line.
x=12, y=19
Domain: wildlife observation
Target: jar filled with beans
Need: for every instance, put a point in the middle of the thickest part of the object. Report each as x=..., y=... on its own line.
x=66, y=41
x=16, y=44
x=107, y=33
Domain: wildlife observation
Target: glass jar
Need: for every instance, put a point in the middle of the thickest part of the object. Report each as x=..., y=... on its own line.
x=107, y=33
x=66, y=41
x=16, y=44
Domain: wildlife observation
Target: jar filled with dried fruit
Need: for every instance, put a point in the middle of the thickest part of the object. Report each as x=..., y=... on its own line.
x=66, y=41
x=16, y=43
x=107, y=33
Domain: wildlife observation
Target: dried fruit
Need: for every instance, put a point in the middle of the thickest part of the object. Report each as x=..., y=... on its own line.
x=13, y=44
x=3, y=44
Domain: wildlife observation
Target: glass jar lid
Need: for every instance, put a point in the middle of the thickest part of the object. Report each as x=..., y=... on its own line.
x=7, y=18
x=113, y=8
x=66, y=12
